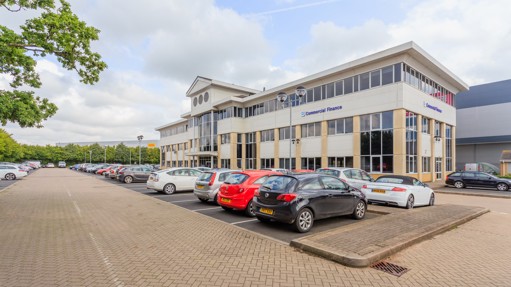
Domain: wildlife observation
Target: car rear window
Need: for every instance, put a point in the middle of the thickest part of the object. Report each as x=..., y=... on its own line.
x=205, y=176
x=329, y=172
x=455, y=174
x=236, y=178
x=279, y=182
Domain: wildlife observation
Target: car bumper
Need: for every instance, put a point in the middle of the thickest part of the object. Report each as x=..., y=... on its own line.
x=284, y=214
x=153, y=185
x=205, y=194
x=389, y=197
x=233, y=201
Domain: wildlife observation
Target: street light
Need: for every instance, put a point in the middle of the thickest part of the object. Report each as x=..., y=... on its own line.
x=140, y=137
x=90, y=157
x=282, y=98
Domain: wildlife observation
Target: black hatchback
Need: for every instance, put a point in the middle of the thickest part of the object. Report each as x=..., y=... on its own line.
x=301, y=199
x=462, y=179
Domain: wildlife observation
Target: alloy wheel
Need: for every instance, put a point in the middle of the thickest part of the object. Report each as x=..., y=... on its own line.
x=458, y=184
x=410, y=202
x=10, y=176
x=305, y=220
x=502, y=187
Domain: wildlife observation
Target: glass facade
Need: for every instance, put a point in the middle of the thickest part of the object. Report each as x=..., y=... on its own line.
x=411, y=142
x=448, y=148
x=377, y=142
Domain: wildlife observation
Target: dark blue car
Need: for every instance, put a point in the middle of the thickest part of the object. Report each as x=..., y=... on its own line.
x=462, y=179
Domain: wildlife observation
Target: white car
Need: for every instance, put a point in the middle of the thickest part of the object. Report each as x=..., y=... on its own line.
x=403, y=191
x=352, y=176
x=11, y=172
x=174, y=179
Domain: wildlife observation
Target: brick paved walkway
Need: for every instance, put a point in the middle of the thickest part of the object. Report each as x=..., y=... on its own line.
x=61, y=228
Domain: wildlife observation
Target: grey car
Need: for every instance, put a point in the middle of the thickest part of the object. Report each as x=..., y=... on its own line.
x=208, y=183
x=134, y=174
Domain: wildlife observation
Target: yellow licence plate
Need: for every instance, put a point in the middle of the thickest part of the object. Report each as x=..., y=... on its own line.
x=227, y=200
x=379, y=190
x=200, y=186
x=266, y=210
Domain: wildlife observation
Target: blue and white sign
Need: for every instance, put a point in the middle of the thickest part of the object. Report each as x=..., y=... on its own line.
x=322, y=110
x=436, y=109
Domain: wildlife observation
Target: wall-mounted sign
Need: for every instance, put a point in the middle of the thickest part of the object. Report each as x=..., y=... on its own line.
x=436, y=109
x=323, y=110
x=151, y=145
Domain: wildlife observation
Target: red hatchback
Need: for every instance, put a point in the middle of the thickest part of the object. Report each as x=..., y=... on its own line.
x=238, y=189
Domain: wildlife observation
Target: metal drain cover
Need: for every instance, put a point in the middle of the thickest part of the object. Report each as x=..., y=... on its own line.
x=390, y=268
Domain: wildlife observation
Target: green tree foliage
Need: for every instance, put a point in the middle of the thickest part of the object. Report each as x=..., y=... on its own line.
x=57, y=32
x=10, y=150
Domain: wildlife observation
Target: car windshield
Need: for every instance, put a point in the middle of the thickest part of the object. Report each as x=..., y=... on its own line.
x=279, y=182
x=333, y=172
x=205, y=176
x=236, y=178
x=390, y=180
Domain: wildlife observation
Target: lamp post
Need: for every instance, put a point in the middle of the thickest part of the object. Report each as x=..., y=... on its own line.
x=90, y=157
x=105, y=155
x=140, y=137
x=282, y=98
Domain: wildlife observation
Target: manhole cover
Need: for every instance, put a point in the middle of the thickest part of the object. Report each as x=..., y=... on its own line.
x=390, y=268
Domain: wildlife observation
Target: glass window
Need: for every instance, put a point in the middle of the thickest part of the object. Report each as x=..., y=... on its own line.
x=355, y=83
x=387, y=120
x=397, y=72
x=375, y=79
x=314, y=185
x=331, y=127
x=376, y=121
x=364, y=81
x=348, y=125
x=330, y=90
x=236, y=178
x=261, y=180
x=338, y=88
x=317, y=129
x=317, y=94
x=365, y=123
x=387, y=75
x=348, y=85
x=340, y=126
x=333, y=183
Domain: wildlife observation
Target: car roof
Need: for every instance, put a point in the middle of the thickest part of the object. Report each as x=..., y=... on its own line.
x=337, y=168
x=407, y=180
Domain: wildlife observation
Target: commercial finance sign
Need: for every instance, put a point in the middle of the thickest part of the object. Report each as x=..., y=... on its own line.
x=322, y=110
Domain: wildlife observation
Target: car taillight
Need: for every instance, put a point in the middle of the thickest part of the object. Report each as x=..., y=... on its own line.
x=364, y=186
x=212, y=179
x=399, y=189
x=287, y=197
x=256, y=193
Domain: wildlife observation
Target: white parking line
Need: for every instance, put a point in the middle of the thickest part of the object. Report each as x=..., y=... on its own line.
x=196, y=210
x=77, y=209
x=177, y=201
x=240, y=222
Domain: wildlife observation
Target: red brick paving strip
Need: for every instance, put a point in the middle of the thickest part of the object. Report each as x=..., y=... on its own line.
x=61, y=228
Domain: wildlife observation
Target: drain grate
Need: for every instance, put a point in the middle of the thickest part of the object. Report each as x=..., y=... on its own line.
x=390, y=268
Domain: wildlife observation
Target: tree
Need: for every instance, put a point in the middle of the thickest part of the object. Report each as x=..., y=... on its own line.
x=10, y=150
x=57, y=32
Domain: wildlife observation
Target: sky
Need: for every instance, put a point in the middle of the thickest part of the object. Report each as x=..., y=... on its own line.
x=156, y=49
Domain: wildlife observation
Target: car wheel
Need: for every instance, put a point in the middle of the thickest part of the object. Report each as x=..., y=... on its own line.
x=410, y=202
x=304, y=220
x=203, y=199
x=10, y=176
x=502, y=187
x=226, y=208
x=459, y=184
x=169, y=188
x=250, y=209
x=432, y=199
x=215, y=199
x=128, y=179
x=360, y=210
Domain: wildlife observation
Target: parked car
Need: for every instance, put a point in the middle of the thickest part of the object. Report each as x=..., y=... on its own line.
x=62, y=164
x=352, y=176
x=50, y=165
x=171, y=180
x=462, y=179
x=300, y=199
x=238, y=189
x=281, y=170
x=403, y=191
x=113, y=172
x=134, y=174
x=11, y=172
x=208, y=184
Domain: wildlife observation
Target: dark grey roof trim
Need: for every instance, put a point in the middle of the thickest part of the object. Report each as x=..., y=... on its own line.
x=479, y=140
x=485, y=95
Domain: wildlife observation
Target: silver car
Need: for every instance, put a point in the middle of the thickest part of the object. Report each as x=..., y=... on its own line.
x=352, y=176
x=208, y=183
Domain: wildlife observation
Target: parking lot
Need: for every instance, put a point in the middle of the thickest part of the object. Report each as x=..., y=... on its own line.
x=277, y=231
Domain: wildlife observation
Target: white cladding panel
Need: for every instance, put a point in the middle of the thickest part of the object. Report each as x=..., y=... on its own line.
x=491, y=120
x=225, y=151
x=311, y=147
x=267, y=149
x=438, y=148
x=421, y=103
x=234, y=125
x=426, y=145
x=174, y=139
x=284, y=149
x=340, y=145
